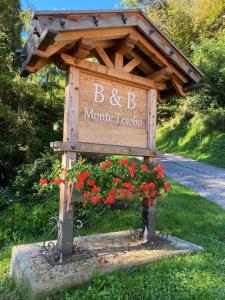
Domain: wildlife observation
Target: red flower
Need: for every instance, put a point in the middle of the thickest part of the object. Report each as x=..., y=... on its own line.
x=86, y=195
x=43, y=181
x=153, y=202
x=144, y=167
x=112, y=193
x=64, y=171
x=133, y=164
x=131, y=171
x=160, y=175
x=95, y=189
x=79, y=185
x=129, y=186
x=122, y=192
x=109, y=200
x=153, y=193
x=123, y=162
x=158, y=168
x=144, y=187
x=116, y=180
x=106, y=164
x=83, y=176
x=151, y=185
x=91, y=182
x=96, y=199
x=166, y=186
x=57, y=181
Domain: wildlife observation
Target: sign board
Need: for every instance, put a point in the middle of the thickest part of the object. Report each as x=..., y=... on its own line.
x=111, y=113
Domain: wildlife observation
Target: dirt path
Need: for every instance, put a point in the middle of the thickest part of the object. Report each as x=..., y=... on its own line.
x=207, y=181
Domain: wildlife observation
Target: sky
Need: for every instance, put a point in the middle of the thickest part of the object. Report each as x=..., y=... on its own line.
x=70, y=4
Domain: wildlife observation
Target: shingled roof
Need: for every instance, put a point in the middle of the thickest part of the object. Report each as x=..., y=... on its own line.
x=86, y=34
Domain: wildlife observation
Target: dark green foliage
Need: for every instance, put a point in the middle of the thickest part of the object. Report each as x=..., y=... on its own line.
x=30, y=107
x=27, y=219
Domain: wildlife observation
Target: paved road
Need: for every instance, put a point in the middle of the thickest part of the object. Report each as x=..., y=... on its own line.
x=207, y=181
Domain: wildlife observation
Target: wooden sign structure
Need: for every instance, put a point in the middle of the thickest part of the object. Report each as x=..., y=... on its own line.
x=118, y=65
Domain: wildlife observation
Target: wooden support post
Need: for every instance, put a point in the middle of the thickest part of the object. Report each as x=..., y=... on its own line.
x=65, y=237
x=152, y=113
x=148, y=209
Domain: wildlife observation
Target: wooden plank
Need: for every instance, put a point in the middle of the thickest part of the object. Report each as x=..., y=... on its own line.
x=144, y=66
x=95, y=35
x=51, y=50
x=131, y=65
x=82, y=48
x=163, y=74
x=104, y=57
x=110, y=72
x=112, y=112
x=118, y=60
x=104, y=149
x=178, y=86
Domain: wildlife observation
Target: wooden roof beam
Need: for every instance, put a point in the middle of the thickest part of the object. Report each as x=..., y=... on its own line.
x=114, y=73
x=131, y=65
x=127, y=44
x=82, y=48
x=39, y=65
x=163, y=74
x=143, y=66
x=178, y=86
x=102, y=56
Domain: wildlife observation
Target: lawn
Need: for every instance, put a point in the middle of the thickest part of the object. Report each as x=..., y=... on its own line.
x=199, y=276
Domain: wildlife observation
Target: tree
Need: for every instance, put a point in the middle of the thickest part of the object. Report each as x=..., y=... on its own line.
x=184, y=21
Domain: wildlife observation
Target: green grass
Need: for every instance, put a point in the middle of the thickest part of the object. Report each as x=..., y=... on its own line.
x=199, y=276
x=192, y=138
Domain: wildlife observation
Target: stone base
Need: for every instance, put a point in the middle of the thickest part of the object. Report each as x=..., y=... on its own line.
x=107, y=252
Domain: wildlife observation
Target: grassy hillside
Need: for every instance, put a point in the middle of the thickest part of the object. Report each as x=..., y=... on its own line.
x=201, y=137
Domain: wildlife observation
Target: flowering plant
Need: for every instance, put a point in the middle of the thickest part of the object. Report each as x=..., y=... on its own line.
x=111, y=180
